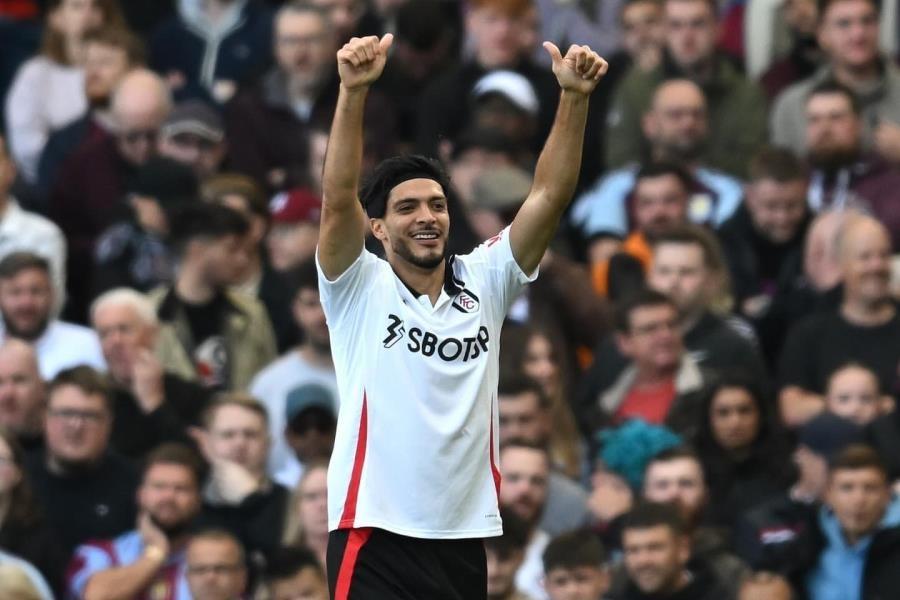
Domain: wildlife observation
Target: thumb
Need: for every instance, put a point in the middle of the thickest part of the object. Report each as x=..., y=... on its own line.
x=385, y=42
x=551, y=49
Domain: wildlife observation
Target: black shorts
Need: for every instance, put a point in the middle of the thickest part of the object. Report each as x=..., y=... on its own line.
x=374, y=564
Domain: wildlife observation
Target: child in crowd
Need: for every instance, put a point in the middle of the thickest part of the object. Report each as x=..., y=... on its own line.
x=853, y=393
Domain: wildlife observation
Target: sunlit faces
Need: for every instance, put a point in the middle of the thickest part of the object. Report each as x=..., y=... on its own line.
x=848, y=32
x=678, y=481
x=655, y=558
x=523, y=487
x=858, y=498
x=734, y=418
x=416, y=223
x=853, y=394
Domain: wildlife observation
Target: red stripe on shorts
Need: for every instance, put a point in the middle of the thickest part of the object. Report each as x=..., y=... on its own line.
x=355, y=541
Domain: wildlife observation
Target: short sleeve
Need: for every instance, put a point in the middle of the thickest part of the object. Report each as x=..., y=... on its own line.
x=344, y=299
x=88, y=560
x=494, y=263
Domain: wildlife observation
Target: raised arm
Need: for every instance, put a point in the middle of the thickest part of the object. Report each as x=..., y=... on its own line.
x=343, y=224
x=557, y=168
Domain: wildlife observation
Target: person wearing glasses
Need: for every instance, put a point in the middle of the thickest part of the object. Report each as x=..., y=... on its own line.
x=216, y=568
x=150, y=560
x=85, y=490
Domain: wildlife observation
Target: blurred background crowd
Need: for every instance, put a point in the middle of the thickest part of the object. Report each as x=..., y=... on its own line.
x=697, y=395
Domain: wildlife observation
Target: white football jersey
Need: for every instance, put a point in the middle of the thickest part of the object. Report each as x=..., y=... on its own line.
x=416, y=446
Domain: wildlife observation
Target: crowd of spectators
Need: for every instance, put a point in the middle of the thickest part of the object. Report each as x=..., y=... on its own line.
x=698, y=395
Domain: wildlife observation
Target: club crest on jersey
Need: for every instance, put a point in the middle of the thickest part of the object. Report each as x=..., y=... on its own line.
x=395, y=331
x=466, y=302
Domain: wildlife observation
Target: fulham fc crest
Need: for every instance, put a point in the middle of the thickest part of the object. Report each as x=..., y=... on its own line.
x=466, y=302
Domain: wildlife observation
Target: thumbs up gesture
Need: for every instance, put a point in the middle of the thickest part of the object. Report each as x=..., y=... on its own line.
x=579, y=70
x=361, y=60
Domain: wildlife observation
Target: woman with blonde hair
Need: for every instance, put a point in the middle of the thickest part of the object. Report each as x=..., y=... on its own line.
x=47, y=92
x=307, y=519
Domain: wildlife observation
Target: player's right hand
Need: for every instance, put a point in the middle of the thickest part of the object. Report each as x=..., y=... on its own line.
x=361, y=60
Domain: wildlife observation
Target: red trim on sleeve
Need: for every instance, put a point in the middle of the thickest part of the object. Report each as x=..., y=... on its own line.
x=349, y=514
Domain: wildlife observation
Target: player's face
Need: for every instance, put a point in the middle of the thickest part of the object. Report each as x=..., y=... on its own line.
x=416, y=223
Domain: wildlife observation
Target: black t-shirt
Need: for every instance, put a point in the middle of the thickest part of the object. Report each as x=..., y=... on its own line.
x=818, y=345
x=210, y=355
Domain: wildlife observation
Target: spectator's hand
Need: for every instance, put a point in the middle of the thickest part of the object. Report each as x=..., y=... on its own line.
x=579, y=70
x=361, y=60
x=230, y=481
x=147, y=381
x=151, y=534
x=887, y=141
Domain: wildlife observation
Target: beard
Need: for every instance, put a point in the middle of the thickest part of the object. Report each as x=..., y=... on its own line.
x=29, y=334
x=430, y=262
x=831, y=159
x=173, y=530
x=684, y=151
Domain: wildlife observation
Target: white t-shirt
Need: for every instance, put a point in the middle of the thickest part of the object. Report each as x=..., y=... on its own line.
x=64, y=345
x=271, y=386
x=416, y=445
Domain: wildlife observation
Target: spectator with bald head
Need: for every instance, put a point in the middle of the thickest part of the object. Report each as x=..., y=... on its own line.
x=865, y=329
x=22, y=394
x=736, y=106
x=109, y=54
x=677, y=128
x=151, y=406
x=87, y=197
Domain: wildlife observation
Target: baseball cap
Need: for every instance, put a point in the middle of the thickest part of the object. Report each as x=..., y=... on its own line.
x=196, y=117
x=827, y=434
x=515, y=87
x=501, y=188
x=165, y=180
x=299, y=205
x=305, y=397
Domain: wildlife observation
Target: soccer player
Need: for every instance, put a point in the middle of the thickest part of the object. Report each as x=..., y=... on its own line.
x=413, y=482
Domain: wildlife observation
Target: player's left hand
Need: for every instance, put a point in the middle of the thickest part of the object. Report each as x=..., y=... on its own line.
x=579, y=70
